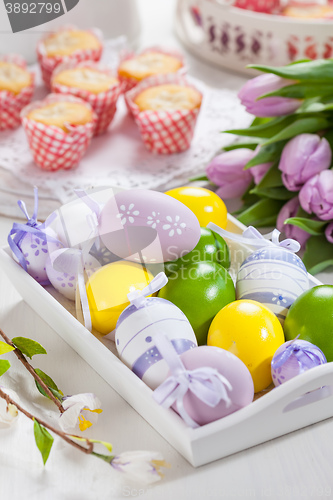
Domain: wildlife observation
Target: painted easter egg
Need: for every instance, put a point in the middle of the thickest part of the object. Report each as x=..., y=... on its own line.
x=147, y=226
x=135, y=332
x=293, y=358
x=107, y=290
x=63, y=275
x=36, y=252
x=232, y=368
x=274, y=277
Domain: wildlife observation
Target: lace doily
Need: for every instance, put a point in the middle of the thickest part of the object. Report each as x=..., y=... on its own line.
x=118, y=158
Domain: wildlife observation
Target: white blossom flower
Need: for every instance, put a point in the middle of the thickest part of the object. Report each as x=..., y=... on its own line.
x=81, y=410
x=140, y=466
x=127, y=213
x=8, y=412
x=153, y=220
x=279, y=298
x=174, y=226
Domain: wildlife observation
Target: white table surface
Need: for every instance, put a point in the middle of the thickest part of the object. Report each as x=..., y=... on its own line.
x=294, y=466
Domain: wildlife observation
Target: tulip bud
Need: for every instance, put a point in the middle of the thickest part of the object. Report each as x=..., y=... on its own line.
x=303, y=157
x=316, y=196
x=288, y=210
x=259, y=171
x=329, y=232
x=227, y=171
x=268, y=106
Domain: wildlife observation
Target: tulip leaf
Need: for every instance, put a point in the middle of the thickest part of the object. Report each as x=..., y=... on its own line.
x=267, y=154
x=246, y=145
x=275, y=193
x=201, y=177
x=28, y=347
x=314, y=227
x=4, y=366
x=301, y=126
x=50, y=384
x=272, y=178
x=266, y=129
x=301, y=91
x=319, y=70
x=318, y=254
x=261, y=214
x=4, y=347
x=44, y=440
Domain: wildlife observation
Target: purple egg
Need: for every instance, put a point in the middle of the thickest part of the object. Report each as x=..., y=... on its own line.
x=293, y=358
x=228, y=365
x=147, y=226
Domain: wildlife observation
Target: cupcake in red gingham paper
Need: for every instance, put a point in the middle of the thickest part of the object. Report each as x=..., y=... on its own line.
x=133, y=68
x=59, y=130
x=16, y=90
x=68, y=44
x=165, y=108
x=266, y=6
x=92, y=82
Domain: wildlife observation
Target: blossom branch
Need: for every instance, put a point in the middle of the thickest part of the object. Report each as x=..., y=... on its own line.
x=31, y=370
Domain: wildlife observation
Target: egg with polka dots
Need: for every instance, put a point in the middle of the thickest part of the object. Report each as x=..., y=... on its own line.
x=35, y=251
x=148, y=226
x=66, y=282
x=134, y=337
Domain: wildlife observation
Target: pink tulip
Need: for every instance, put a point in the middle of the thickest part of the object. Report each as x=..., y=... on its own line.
x=227, y=171
x=316, y=196
x=259, y=171
x=303, y=157
x=329, y=232
x=268, y=106
x=288, y=210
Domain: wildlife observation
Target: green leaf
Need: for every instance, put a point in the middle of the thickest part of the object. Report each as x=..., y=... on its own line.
x=266, y=129
x=319, y=70
x=4, y=347
x=201, y=177
x=314, y=227
x=246, y=145
x=50, y=384
x=272, y=178
x=44, y=440
x=275, y=193
x=318, y=254
x=301, y=126
x=28, y=347
x=106, y=458
x=107, y=445
x=267, y=154
x=4, y=366
x=301, y=91
x=261, y=214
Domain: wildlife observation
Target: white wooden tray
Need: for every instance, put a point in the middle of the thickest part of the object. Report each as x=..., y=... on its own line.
x=300, y=402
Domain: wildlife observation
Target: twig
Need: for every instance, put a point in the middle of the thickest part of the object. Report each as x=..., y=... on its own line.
x=31, y=370
x=61, y=434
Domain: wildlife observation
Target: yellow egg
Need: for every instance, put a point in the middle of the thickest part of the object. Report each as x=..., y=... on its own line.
x=205, y=204
x=107, y=291
x=253, y=333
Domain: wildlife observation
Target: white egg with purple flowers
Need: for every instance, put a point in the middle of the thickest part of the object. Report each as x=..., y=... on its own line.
x=134, y=337
x=148, y=226
x=273, y=276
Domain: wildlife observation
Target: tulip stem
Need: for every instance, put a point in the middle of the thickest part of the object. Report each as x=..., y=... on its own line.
x=59, y=433
x=31, y=370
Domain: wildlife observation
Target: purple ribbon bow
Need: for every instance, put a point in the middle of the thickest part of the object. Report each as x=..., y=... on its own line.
x=19, y=230
x=306, y=356
x=206, y=383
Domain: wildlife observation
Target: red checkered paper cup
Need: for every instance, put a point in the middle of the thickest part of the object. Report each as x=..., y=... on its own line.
x=51, y=147
x=163, y=132
x=129, y=83
x=266, y=6
x=49, y=64
x=104, y=104
x=12, y=104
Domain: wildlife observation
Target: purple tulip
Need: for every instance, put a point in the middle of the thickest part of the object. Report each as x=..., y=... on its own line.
x=226, y=171
x=259, y=171
x=268, y=106
x=290, y=209
x=329, y=232
x=303, y=157
x=316, y=196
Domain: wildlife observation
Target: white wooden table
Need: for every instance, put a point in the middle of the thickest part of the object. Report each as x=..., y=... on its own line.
x=294, y=466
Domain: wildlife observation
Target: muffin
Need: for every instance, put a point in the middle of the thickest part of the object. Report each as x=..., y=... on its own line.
x=16, y=90
x=92, y=82
x=309, y=11
x=151, y=62
x=67, y=45
x=59, y=130
x=165, y=108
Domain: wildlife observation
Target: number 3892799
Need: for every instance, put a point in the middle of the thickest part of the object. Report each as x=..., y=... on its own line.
x=33, y=8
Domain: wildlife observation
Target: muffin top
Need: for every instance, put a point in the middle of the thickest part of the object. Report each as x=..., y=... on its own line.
x=309, y=11
x=61, y=114
x=89, y=79
x=148, y=64
x=13, y=78
x=168, y=97
x=66, y=42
